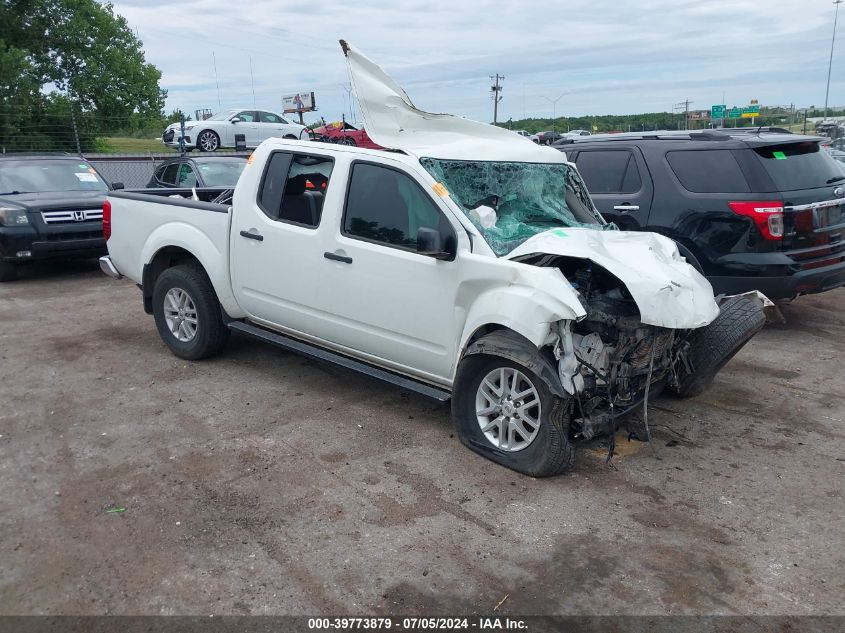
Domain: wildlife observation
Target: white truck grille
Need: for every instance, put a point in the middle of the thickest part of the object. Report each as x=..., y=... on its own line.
x=69, y=217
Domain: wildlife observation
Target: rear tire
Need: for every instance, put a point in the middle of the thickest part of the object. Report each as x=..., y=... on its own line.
x=712, y=346
x=548, y=453
x=8, y=271
x=187, y=313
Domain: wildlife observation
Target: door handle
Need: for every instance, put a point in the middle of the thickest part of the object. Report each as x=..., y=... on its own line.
x=626, y=207
x=337, y=258
x=252, y=236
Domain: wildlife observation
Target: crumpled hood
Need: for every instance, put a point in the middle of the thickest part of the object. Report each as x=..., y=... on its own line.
x=392, y=120
x=669, y=292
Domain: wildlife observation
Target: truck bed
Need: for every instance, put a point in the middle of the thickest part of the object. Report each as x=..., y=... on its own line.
x=143, y=222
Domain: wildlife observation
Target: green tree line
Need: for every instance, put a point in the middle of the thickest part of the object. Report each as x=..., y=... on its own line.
x=66, y=62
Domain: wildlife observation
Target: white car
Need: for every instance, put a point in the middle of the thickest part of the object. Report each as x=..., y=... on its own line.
x=220, y=130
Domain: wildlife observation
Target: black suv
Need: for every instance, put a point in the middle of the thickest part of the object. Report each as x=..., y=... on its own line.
x=50, y=207
x=750, y=211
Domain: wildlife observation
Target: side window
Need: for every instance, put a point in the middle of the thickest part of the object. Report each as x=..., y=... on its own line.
x=170, y=173
x=247, y=116
x=386, y=206
x=269, y=117
x=294, y=186
x=708, y=171
x=609, y=171
x=187, y=177
x=159, y=172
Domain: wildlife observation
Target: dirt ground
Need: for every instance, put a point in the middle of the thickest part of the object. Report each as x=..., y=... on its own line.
x=263, y=483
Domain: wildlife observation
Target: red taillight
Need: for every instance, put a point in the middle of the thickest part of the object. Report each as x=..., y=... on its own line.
x=107, y=219
x=768, y=216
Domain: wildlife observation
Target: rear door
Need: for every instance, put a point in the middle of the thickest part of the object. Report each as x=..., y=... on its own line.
x=277, y=247
x=271, y=125
x=619, y=184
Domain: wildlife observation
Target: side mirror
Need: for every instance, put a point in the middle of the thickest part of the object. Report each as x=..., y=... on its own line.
x=116, y=185
x=430, y=242
x=236, y=120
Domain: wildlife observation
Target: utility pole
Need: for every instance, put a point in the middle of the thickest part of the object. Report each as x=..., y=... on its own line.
x=683, y=106
x=495, y=91
x=830, y=63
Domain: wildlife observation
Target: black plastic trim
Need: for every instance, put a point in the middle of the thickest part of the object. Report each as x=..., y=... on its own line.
x=322, y=354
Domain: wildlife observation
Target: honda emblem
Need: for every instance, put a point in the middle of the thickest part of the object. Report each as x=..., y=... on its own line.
x=78, y=216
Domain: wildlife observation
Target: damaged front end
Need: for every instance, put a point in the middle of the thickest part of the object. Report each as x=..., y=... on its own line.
x=609, y=362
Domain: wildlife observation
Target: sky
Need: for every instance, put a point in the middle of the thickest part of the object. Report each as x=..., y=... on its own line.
x=590, y=56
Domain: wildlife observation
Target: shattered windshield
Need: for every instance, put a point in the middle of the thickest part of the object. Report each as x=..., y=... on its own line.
x=510, y=202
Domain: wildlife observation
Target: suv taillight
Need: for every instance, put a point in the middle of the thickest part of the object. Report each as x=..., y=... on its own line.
x=107, y=219
x=768, y=216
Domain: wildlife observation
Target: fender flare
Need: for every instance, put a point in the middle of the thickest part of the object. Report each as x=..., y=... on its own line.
x=515, y=347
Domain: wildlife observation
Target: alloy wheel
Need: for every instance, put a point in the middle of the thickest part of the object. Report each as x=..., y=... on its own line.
x=507, y=406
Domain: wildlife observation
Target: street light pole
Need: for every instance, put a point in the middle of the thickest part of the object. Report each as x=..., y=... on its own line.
x=830, y=63
x=554, y=106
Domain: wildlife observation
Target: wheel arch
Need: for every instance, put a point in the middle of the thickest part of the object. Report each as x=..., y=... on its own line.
x=495, y=339
x=164, y=258
x=215, y=132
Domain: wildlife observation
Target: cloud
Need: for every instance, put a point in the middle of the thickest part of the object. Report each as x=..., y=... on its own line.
x=608, y=57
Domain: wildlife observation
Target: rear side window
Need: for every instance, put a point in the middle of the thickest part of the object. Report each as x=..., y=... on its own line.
x=386, y=206
x=170, y=173
x=294, y=186
x=708, y=171
x=187, y=177
x=794, y=166
x=609, y=171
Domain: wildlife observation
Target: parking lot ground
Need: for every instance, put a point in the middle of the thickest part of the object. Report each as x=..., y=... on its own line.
x=260, y=482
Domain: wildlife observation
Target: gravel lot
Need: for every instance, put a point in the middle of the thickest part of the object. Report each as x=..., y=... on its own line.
x=263, y=483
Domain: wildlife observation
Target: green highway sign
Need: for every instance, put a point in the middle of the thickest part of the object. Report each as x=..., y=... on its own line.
x=717, y=111
x=749, y=112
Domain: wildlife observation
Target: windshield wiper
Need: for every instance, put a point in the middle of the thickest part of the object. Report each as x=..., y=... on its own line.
x=14, y=193
x=834, y=179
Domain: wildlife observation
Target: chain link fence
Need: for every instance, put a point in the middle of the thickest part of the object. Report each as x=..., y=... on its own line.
x=136, y=170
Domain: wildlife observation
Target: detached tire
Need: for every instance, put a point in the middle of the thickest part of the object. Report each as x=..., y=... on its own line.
x=513, y=441
x=187, y=313
x=712, y=346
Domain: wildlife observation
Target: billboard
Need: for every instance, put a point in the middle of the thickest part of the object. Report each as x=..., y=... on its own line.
x=300, y=102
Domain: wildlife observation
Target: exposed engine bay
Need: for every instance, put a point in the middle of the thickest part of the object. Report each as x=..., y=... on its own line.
x=609, y=361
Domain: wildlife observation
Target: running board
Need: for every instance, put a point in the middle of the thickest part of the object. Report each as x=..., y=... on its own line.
x=324, y=355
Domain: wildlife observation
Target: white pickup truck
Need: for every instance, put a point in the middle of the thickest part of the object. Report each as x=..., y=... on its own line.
x=492, y=281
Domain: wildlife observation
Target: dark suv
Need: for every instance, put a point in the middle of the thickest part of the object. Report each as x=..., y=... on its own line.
x=750, y=211
x=50, y=207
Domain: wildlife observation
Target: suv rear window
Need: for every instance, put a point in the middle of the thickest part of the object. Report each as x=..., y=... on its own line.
x=708, y=171
x=794, y=166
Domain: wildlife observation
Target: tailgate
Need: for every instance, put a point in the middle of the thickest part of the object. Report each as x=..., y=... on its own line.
x=814, y=227
x=811, y=185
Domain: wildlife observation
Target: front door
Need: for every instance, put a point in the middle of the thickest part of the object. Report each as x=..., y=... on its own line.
x=248, y=126
x=619, y=184
x=383, y=297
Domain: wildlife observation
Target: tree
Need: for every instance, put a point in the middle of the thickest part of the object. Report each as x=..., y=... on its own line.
x=79, y=48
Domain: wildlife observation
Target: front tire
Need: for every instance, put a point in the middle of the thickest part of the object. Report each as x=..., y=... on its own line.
x=208, y=141
x=187, y=314
x=713, y=345
x=506, y=413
